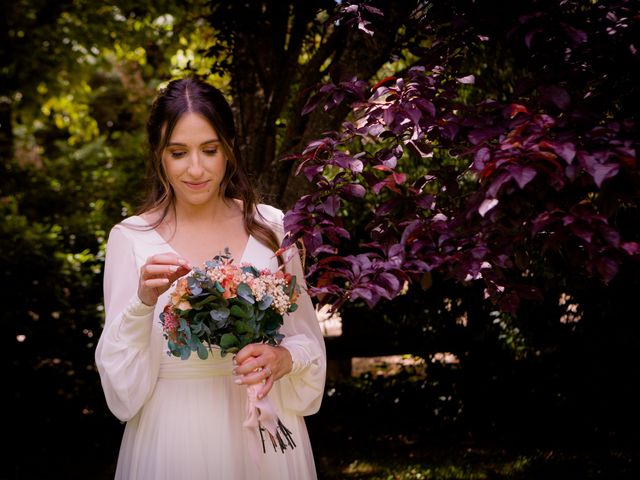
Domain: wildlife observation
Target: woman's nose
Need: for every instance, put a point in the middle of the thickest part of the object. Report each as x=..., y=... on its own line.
x=195, y=165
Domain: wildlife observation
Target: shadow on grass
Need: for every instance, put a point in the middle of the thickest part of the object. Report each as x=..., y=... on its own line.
x=369, y=429
x=401, y=427
x=393, y=458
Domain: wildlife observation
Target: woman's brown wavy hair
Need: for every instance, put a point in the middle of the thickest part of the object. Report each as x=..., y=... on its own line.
x=192, y=95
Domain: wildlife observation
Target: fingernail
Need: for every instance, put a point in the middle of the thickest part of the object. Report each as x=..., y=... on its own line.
x=260, y=396
x=238, y=381
x=234, y=371
x=173, y=268
x=182, y=261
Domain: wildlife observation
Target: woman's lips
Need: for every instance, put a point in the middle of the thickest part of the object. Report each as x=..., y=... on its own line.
x=197, y=185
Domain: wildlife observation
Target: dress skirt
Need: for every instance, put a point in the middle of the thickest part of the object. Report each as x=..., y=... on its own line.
x=196, y=412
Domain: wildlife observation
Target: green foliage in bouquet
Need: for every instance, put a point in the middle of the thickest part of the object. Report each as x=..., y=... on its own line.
x=227, y=306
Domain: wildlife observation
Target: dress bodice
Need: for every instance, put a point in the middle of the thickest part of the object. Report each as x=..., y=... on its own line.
x=194, y=367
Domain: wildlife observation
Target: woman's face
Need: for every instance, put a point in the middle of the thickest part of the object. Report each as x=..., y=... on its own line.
x=194, y=161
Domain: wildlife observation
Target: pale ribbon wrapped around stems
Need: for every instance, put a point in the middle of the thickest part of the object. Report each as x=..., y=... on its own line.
x=262, y=415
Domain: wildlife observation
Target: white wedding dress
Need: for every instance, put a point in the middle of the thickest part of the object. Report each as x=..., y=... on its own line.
x=185, y=417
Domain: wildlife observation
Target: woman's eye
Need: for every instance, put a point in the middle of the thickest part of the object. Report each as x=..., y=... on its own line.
x=211, y=151
x=177, y=154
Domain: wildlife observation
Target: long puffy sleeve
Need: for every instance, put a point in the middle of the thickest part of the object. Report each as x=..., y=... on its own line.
x=125, y=356
x=303, y=388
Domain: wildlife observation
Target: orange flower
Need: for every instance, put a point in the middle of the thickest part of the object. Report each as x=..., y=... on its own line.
x=177, y=296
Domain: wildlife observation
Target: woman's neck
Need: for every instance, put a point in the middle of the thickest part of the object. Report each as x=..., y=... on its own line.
x=207, y=214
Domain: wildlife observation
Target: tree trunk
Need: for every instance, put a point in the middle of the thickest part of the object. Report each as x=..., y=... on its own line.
x=267, y=40
x=270, y=86
x=360, y=56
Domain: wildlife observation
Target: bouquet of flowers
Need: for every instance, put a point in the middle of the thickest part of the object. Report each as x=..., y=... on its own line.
x=229, y=306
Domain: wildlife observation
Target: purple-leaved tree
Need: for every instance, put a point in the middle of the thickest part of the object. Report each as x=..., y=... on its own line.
x=519, y=183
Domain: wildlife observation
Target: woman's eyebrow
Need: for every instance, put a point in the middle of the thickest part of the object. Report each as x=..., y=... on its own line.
x=178, y=144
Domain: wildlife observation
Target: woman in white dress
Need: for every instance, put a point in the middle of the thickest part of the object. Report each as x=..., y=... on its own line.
x=185, y=417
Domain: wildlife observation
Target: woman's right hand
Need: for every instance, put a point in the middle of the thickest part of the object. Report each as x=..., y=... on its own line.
x=157, y=275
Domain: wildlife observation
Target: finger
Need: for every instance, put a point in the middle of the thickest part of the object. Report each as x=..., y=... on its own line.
x=180, y=272
x=160, y=269
x=256, y=375
x=170, y=272
x=266, y=388
x=156, y=282
x=250, y=379
x=248, y=366
x=167, y=258
x=250, y=350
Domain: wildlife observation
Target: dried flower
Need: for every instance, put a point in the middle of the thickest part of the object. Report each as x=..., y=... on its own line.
x=227, y=306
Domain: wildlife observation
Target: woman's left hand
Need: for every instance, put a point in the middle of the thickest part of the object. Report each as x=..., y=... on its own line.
x=260, y=363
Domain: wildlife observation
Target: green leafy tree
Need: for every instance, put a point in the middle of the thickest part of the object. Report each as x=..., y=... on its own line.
x=77, y=79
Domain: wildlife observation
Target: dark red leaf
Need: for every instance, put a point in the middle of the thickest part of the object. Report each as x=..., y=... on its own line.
x=522, y=175
x=480, y=135
x=555, y=95
x=607, y=268
x=353, y=190
x=382, y=82
x=632, y=248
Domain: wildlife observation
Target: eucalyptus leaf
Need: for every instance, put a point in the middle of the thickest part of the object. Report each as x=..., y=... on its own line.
x=194, y=343
x=206, y=300
x=184, y=327
x=245, y=293
x=273, y=322
x=247, y=338
x=238, y=312
x=228, y=341
x=265, y=303
x=192, y=283
x=202, y=352
x=253, y=323
x=242, y=327
x=173, y=348
x=220, y=314
x=251, y=270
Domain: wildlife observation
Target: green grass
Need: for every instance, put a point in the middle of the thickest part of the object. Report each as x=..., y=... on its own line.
x=408, y=426
x=389, y=461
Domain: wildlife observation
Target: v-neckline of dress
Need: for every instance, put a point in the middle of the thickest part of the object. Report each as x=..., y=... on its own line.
x=168, y=244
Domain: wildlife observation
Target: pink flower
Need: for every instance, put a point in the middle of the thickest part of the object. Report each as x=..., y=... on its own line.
x=171, y=323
